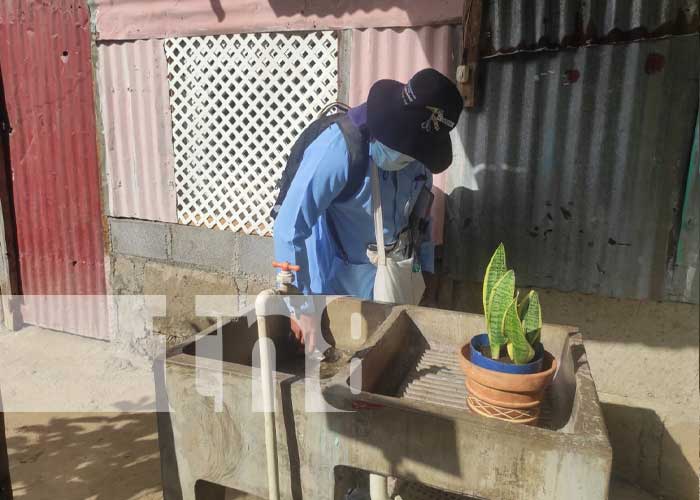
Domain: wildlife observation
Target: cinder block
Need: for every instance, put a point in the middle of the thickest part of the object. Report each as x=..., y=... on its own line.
x=127, y=275
x=200, y=246
x=181, y=286
x=140, y=238
x=255, y=256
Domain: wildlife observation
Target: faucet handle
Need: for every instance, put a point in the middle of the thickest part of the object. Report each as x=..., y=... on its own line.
x=286, y=266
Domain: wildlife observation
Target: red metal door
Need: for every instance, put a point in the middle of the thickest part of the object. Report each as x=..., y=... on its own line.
x=45, y=61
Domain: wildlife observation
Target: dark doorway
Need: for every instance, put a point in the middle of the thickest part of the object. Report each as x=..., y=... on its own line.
x=10, y=284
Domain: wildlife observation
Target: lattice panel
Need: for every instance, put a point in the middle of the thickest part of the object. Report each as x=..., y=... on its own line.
x=238, y=103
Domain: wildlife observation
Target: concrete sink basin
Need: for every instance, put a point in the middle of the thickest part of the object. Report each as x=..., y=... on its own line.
x=403, y=415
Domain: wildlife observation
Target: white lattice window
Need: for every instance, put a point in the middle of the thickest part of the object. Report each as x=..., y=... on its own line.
x=238, y=103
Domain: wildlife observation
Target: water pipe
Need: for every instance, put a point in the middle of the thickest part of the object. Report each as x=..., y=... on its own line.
x=262, y=311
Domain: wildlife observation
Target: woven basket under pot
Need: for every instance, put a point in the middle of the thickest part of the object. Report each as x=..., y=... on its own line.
x=506, y=396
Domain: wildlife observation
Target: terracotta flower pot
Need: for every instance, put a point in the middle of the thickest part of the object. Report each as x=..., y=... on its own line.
x=506, y=396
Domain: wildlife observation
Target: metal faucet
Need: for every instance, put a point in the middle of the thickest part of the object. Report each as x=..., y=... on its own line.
x=285, y=278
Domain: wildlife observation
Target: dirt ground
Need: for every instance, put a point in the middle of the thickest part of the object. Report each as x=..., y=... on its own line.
x=87, y=453
x=83, y=456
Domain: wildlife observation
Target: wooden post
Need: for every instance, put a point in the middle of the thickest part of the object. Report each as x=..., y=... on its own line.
x=467, y=70
x=9, y=261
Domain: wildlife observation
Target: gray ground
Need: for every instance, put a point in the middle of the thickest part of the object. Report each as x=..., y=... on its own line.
x=74, y=425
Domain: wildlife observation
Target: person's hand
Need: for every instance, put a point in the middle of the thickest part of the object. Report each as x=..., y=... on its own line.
x=305, y=330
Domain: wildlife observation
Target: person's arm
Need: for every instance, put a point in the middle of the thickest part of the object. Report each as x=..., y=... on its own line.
x=320, y=178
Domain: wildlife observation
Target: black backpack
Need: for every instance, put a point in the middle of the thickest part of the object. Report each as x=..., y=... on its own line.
x=357, y=140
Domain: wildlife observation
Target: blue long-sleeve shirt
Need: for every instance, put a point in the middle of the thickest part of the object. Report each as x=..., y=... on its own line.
x=302, y=233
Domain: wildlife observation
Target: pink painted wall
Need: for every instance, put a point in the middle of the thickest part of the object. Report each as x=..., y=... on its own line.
x=129, y=19
x=132, y=78
x=398, y=54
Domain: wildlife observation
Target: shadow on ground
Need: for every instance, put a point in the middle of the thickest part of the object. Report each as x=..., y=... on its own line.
x=645, y=453
x=97, y=456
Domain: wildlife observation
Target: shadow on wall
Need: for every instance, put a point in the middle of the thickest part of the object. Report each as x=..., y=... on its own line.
x=218, y=9
x=670, y=325
x=645, y=454
x=415, y=11
x=101, y=456
x=325, y=8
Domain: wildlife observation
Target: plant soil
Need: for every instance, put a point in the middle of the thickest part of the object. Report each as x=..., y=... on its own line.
x=503, y=358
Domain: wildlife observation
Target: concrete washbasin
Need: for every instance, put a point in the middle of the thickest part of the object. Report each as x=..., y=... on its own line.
x=401, y=408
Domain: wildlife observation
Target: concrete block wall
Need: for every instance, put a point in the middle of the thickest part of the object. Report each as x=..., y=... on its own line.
x=180, y=262
x=644, y=360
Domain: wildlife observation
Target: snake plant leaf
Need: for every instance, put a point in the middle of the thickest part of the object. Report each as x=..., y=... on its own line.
x=501, y=297
x=494, y=272
x=519, y=349
x=531, y=314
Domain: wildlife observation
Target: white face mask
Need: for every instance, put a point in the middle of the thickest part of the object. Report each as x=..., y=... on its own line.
x=388, y=159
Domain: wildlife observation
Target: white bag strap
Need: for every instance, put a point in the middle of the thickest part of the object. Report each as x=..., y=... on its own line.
x=377, y=212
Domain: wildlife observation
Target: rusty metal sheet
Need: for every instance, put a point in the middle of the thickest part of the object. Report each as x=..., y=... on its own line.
x=136, y=124
x=576, y=160
x=45, y=58
x=553, y=24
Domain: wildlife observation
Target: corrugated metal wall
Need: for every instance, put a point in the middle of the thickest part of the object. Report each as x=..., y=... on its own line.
x=45, y=58
x=136, y=123
x=509, y=26
x=398, y=54
x=140, y=19
x=684, y=280
x=576, y=160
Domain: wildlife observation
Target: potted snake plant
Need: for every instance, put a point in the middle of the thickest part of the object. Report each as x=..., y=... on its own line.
x=507, y=368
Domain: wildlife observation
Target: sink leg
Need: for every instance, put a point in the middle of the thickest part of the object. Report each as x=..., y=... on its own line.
x=209, y=491
x=378, y=487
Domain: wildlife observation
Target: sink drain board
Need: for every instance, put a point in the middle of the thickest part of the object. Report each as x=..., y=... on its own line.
x=438, y=379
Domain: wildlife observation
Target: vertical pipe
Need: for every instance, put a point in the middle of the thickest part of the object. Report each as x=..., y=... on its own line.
x=267, y=393
x=378, y=487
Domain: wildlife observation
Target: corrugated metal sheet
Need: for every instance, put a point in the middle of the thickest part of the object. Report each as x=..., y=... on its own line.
x=45, y=57
x=398, y=54
x=135, y=114
x=576, y=160
x=684, y=279
x=139, y=19
x=511, y=26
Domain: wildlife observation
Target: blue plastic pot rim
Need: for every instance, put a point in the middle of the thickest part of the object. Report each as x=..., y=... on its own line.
x=534, y=366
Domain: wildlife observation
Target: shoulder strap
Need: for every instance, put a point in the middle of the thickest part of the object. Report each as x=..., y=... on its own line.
x=377, y=213
x=357, y=142
x=296, y=155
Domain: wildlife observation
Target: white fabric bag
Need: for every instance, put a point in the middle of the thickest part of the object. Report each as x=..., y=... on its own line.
x=396, y=282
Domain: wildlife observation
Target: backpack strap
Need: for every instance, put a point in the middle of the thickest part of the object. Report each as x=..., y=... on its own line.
x=296, y=155
x=357, y=142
